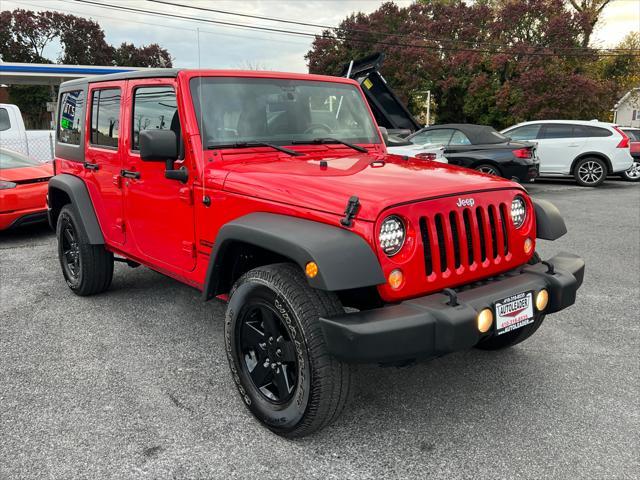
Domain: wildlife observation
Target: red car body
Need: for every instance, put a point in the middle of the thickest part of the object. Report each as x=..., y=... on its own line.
x=23, y=190
x=259, y=179
x=376, y=258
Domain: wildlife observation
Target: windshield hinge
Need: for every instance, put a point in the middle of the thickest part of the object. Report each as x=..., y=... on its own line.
x=350, y=212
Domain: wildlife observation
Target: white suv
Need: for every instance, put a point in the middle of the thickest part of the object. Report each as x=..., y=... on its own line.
x=587, y=150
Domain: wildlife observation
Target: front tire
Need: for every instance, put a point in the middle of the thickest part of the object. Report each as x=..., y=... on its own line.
x=277, y=353
x=87, y=268
x=633, y=174
x=590, y=172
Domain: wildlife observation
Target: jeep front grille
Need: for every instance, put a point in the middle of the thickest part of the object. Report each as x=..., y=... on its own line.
x=472, y=238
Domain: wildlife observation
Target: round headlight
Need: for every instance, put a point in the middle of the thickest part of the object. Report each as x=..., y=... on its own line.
x=518, y=211
x=392, y=235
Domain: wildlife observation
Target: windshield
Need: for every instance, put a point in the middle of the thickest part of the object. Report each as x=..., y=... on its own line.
x=15, y=160
x=279, y=111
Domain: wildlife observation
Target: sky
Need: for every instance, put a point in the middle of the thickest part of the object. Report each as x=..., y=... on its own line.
x=233, y=47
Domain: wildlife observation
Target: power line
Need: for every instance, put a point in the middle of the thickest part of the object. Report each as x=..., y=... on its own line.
x=314, y=35
x=389, y=34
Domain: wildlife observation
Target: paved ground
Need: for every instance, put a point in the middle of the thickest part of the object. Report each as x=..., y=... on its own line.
x=134, y=383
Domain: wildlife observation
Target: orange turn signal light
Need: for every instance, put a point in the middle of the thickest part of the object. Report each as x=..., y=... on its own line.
x=528, y=246
x=311, y=269
x=542, y=300
x=396, y=279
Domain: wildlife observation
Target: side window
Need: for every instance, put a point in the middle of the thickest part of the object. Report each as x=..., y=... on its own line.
x=154, y=108
x=557, y=130
x=459, y=138
x=439, y=136
x=5, y=123
x=105, y=117
x=71, y=111
x=526, y=132
x=595, y=132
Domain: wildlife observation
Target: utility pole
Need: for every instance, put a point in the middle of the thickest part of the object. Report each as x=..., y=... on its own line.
x=428, y=107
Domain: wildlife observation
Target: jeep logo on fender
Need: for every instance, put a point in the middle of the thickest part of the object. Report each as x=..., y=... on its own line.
x=466, y=202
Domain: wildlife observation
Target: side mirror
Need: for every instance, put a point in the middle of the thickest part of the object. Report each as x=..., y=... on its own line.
x=385, y=135
x=158, y=146
x=162, y=146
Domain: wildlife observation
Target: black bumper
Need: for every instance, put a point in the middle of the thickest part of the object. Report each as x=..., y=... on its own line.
x=428, y=327
x=29, y=219
x=522, y=172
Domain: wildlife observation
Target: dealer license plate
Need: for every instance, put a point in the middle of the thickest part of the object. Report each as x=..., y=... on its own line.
x=514, y=312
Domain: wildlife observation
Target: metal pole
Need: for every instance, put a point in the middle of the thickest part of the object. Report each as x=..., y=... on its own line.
x=51, y=146
x=428, y=107
x=348, y=75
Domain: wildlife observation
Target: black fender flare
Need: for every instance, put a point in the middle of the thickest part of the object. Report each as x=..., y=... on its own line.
x=78, y=194
x=345, y=260
x=549, y=222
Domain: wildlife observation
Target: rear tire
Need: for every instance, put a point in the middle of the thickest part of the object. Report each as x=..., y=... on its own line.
x=488, y=169
x=633, y=174
x=277, y=353
x=590, y=172
x=87, y=268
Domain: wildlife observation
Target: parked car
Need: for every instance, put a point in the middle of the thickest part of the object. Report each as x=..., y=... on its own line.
x=36, y=144
x=399, y=146
x=274, y=192
x=586, y=150
x=481, y=148
x=633, y=174
x=23, y=189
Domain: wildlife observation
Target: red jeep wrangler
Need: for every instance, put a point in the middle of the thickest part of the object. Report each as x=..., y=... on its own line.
x=275, y=192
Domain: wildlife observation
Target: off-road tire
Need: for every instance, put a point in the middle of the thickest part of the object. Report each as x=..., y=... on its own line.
x=596, y=166
x=323, y=383
x=94, y=268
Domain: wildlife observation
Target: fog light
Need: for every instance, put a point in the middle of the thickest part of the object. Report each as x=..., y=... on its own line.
x=528, y=246
x=485, y=320
x=396, y=279
x=311, y=269
x=542, y=300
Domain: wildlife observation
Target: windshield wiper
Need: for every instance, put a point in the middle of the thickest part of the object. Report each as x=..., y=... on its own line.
x=320, y=141
x=216, y=146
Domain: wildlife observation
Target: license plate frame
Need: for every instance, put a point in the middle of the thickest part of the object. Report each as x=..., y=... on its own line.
x=513, y=312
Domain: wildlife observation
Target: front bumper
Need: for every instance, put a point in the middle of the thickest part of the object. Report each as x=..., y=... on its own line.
x=428, y=327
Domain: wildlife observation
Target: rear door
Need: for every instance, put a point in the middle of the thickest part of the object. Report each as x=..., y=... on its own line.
x=558, y=145
x=159, y=211
x=103, y=160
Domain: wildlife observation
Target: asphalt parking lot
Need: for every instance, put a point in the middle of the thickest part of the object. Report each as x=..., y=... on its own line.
x=134, y=383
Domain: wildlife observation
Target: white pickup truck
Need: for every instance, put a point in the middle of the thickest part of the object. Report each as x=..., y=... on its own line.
x=37, y=144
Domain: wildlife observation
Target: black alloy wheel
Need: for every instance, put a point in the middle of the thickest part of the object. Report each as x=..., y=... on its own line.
x=70, y=252
x=269, y=354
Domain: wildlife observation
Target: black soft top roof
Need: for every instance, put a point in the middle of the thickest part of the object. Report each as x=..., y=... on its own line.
x=477, y=134
x=147, y=73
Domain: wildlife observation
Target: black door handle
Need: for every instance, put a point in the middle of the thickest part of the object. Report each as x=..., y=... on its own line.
x=129, y=174
x=91, y=166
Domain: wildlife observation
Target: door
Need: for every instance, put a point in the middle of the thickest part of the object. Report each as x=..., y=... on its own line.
x=103, y=160
x=159, y=211
x=558, y=145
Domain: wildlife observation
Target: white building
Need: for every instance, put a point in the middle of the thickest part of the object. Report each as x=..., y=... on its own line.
x=626, y=112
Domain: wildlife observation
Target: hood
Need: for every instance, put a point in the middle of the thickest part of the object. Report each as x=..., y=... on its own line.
x=27, y=173
x=379, y=182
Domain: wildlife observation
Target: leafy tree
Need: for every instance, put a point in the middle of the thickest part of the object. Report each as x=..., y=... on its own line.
x=491, y=61
x=128, y=55
x=24, y=36
x=589, y=13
